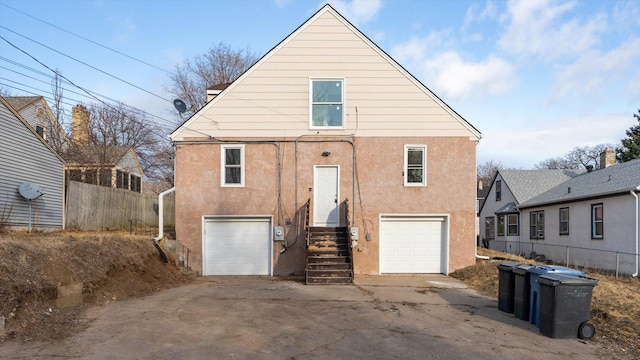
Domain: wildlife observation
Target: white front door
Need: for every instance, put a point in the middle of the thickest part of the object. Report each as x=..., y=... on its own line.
x=326, y=207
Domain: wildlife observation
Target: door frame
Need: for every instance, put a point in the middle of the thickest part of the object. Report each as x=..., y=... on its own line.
x=315, y=193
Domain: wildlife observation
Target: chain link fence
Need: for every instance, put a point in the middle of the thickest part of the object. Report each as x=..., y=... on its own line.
x=620, y=262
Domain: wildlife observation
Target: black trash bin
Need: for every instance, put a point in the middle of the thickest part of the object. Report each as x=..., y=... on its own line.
x=565, y=305
x=506, y=283
x=522, y=292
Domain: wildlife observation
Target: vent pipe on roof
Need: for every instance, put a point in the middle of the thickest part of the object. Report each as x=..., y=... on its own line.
x=589, y=168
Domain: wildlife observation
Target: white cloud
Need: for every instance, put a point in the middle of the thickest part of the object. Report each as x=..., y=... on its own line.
x=549, y=29
x=282, y=3
x=519, y=147
x=475, y=14
x=594, y=72
x=458, y=78
x=358, y=11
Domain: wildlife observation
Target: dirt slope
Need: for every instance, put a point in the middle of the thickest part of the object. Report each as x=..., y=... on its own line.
x=110, y=266
x=615, y=306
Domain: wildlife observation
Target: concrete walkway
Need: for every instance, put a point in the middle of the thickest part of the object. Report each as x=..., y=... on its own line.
x=381, y=317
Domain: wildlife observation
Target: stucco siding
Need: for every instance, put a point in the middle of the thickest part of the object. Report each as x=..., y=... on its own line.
x=24, y=158
x=377, y=188
x=619, y=234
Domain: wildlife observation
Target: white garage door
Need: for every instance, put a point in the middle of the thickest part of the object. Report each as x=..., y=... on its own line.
x=237, y=246
x=413, y=244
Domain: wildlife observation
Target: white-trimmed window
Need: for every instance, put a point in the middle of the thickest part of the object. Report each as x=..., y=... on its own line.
x=564, y=220
x=232, y=165
x=326, y=104
x=513, y=225
x=415, y=165
x=597, y=221
x=536, y=225
x=489, y=228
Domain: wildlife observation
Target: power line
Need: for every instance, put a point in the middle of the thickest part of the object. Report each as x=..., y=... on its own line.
x=88, y=40
x=81, y=62
x=63, y=77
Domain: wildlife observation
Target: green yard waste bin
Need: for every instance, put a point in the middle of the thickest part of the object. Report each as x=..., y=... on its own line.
x=535, y=272
x=506, y=286
x=521, y=291
x=565, y=305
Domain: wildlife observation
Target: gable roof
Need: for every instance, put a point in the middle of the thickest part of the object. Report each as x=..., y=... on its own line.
x=526, y=184
x=473, y=132
x=15, y=112
x=20, y=102
x=99, y=155
x=612, y=180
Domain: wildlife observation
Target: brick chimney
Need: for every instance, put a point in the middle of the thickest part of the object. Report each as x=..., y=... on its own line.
x=607, y=158
x=80, y=125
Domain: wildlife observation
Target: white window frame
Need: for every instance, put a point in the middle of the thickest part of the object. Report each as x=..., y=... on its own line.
x=311, y=103
x=223, y=164
x=561, y=221
x=594, y=221
x=509, y=224
x=405, y=171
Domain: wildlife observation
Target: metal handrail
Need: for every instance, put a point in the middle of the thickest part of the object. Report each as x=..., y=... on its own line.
x=306, y=220
x=181, y=251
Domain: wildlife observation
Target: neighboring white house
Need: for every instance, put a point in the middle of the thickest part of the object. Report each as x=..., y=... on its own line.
x=25, y=157
x=499, y=215
x=591, y=219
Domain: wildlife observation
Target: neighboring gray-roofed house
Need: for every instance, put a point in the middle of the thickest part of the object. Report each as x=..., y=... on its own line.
x=26, y=157
x=595, y=211
x=111, y=166
x=499, y=216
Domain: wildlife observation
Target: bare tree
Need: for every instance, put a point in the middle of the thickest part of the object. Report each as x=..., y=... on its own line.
x=486, y=171
x=220, y=65
x=56, y=134
x=578, y=158
x=558, y=163
x=120, y=125
x=4, y=92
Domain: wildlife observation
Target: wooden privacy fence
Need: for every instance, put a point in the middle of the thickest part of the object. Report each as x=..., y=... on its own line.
x=94, y=207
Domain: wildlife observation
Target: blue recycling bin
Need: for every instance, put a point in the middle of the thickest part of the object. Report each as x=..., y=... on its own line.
x=535, y=272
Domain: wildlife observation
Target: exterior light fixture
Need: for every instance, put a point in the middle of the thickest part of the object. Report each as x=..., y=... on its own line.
x=326, y=153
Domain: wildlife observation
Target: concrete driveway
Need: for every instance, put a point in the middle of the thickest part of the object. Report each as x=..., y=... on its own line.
x=381, y=317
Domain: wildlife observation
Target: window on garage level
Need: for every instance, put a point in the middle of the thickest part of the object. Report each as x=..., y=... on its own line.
x=415, y=165
x=232, y=165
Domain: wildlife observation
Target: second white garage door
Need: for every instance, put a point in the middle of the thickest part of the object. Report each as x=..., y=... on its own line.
x=413, y=244
x=237, y=246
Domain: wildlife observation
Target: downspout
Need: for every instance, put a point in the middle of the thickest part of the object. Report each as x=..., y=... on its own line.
x=479, y=227
x=633, y=193
x=161, y=223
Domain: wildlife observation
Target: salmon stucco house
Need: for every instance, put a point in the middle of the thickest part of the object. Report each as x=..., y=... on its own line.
x=326, y=158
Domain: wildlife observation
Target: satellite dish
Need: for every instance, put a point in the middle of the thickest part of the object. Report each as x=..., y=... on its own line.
x=180, y=105
x=31, y=191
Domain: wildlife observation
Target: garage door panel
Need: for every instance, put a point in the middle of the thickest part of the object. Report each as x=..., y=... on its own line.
x=237, y=246
x=411, y=245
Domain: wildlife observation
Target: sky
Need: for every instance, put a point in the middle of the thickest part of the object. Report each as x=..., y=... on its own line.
x=536, y=77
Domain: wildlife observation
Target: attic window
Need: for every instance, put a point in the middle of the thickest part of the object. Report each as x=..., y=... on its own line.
x=40, y=130
x=326, y=106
